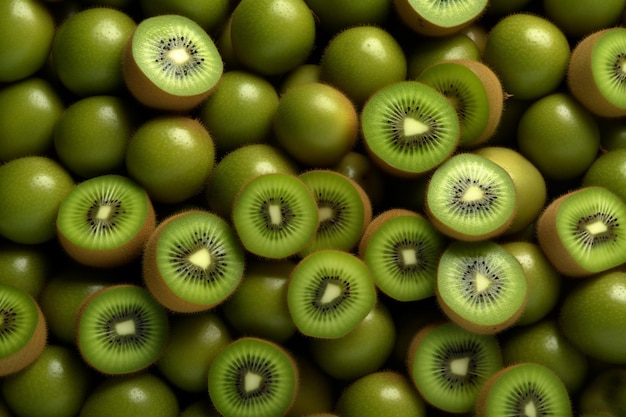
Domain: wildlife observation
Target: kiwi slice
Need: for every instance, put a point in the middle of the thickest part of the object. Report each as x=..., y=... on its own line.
x=524, y=389
x=329, y=293
x=105, y=221
x=580, y=232
x=121, y=329
x=471, y=198
x=23, y=330
x=344, y=210
x=275, y=215
x=402, y=249
x=449, y=365
x=476, y=93
x=596, y=75
x=409, y=128
x=193, y=261
x=439, y=17
x=253, y=377
x=481, y=286
x=171, y=63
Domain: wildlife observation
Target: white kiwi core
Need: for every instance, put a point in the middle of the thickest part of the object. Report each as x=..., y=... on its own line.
x=409, y=257
x=473, y=193
x=413, y=127
x=331, y=293
x=326, y=213
x=252, y=381
x=104, y=212
x=460, y=366
x=530, y=409
x=200, y=258
x=596, y=228
x=125, y=328
x=179, y=56
x=481, y=282
x=275, y=214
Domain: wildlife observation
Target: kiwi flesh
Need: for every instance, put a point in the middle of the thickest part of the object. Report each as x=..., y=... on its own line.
x=580, y=232
x=171, y=63
x=121, y=329
x=439, y=18
x=409, y=128
x=253, y=377
x=329, y=293
x=193, y=261
x=105, y=221
x=471, y=198
x=481, y=286
x=23, y=330
x=449, y=365
x=596, y=73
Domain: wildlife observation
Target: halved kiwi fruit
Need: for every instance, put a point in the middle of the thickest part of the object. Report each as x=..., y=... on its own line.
x=193, y=261
x=409, y=128
x=471, y=198
x=449, y=365
x=23, y=331
x=402, y=249
x=171, y=63
x=581, y=232
x=121, y=329
x=525, y=389
x=105, y=221
x=253, y=377
x=439, y=18
x=596, y=75
x=481, y=286
x=275, y=215
x=329, y=293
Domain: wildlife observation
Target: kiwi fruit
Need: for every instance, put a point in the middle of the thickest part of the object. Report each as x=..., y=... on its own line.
x=476, y=93
x=409, y=128
x=471, y=198
x=275, y=215
x=344, y=210
x=193, y=261
x=105, y=221
x=23, y=330
x=121, y=329
x=329, y=293
x=253, y=377
x=580, y=232
x=439, y=18
x=480, y=286
x=402, y=249
x=449, y=365
x=171, y=63
x=596, y=76
x=524, y=389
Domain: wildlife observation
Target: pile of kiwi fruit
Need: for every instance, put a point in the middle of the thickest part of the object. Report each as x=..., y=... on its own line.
x=429, y=225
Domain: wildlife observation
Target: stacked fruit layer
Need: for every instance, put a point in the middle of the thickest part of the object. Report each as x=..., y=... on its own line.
x=312, y=208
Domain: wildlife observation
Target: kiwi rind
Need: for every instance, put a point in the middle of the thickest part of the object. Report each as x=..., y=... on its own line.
x=23, y=330
x=565, y=221
x=275, y=368
x=98, y=341
x=503, y=292
x=429, y=119
x=145, y=61
x=433, y=352
x=181, y=284
x=114, y=237
x=436, y=18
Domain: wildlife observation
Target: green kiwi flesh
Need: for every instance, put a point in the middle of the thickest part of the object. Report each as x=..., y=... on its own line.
x=481, y=286
x=449, y=365
x=171, y=63
x=121, y=329
x=409, y=128
x=439, y=18
x=253, y=377
x=329, y=293
x=193, y=261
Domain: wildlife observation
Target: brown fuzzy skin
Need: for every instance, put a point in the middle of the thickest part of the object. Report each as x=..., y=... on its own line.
x=30, y=351
x=580, y=78
x=378, y=221
x=419, y=24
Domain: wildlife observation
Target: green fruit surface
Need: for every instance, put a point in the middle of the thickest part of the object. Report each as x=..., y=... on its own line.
x=609, y=171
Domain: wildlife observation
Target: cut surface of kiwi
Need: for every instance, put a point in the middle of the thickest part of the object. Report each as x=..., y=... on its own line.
x=449, y=365
x=471, y=198
x=481, y=286
x=193, y=261
x=329, y=293
x=105, y=221
x=439, y=18
x=171, y=63
x=121, y=329
x=409, y=128
x=253, y=377
x=581, y=231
